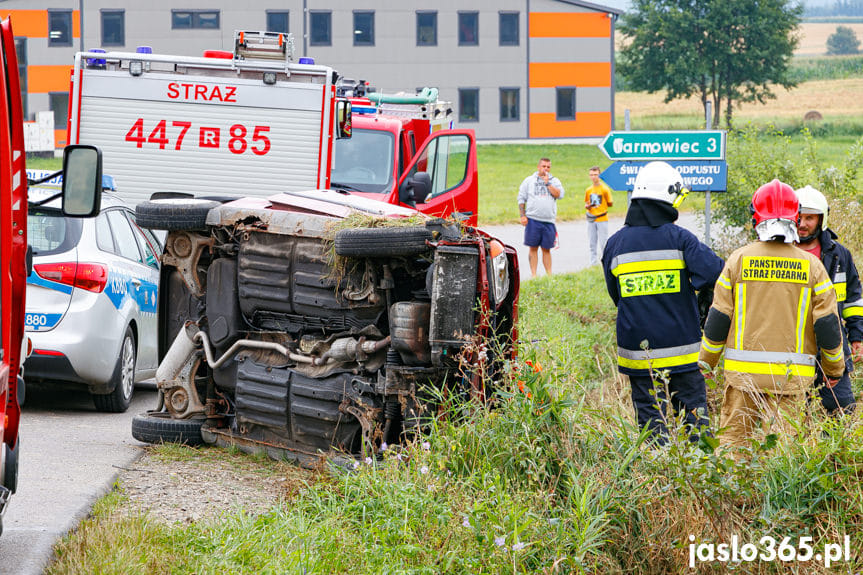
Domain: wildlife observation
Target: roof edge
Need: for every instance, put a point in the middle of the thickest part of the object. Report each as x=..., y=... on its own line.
x=593, y=6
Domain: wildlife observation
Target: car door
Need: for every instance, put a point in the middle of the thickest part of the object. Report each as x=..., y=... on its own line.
x=140, y=273
x=449, y=158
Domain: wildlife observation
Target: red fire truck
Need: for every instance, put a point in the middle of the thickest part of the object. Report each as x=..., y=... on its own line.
x=81, y=193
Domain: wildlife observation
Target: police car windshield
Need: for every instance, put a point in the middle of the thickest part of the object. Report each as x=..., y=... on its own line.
x=49, y=232
x=364, y=162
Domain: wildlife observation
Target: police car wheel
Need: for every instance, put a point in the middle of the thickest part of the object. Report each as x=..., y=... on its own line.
x=158, y=427
x=174, y=214
x=381, y=242
x=122, y=380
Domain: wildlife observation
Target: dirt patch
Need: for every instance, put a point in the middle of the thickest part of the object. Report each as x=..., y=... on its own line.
x=187, y=485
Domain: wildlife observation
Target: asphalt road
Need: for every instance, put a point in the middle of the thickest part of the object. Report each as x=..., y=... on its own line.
x=573, y=254
x=70, y=456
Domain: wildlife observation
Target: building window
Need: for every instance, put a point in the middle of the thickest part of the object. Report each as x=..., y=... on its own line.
x=364, y=28
x=277, y=21
x=198, y=19
x=113, y=28
x=468, y=28
x=509, y=111
x=426, y=28
x=566, y=103
x=59, y=103
x=21, y=52
x=59, y=27
x=321, y=24
x=468, y=104
x=509, y=28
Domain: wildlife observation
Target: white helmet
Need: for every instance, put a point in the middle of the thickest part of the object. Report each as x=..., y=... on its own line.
x=813, y=202
x=659, y=181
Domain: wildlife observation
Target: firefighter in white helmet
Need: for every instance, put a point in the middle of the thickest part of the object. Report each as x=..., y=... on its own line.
x=773, y=310
x=817, y=239
x=653, y=269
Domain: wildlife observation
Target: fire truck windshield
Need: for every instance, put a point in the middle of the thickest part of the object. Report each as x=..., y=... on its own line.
x=364, y=162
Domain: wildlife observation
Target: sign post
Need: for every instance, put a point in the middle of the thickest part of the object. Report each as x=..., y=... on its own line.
x=699, y=156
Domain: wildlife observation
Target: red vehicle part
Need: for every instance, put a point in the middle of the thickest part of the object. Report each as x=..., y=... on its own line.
x=13, y=250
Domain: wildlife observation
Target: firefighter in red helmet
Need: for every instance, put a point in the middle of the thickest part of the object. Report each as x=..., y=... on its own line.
x=773, y=309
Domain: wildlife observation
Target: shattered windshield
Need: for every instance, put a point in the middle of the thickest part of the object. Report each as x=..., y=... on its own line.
x=364, y=162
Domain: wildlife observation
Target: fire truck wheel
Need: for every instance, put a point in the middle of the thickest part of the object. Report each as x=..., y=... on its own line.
x=174, y=214
x=10, y=471
x=158, y=427
x=381, y=242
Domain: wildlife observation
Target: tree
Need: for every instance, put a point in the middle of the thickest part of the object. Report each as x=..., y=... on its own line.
x=843, y=41
x=724, y=51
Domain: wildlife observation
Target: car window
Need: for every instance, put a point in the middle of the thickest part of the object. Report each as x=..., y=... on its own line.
x=156, y=243
x=48, y=232
x=124, y=236
x=446, y=160
x=145, y=243
x=104, y=238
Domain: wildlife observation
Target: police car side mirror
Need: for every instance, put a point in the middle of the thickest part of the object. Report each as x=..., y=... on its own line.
x=82, y=181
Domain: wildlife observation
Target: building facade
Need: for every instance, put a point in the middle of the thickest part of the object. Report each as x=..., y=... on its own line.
x=514, y=69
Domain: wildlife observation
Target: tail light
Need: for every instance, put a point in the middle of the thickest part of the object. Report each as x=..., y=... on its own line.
x=91, y=277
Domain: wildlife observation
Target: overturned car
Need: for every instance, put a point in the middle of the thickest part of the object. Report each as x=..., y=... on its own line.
x=289, y=325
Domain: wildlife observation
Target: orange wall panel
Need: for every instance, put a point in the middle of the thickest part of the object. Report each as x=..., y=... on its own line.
x=585, y=125
x=34, y=23
x=569, y=25
x=44, y=79
x=581, y=74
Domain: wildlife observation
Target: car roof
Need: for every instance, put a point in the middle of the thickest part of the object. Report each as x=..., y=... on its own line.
x=36, y=193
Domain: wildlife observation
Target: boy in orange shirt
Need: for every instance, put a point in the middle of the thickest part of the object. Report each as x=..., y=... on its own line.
x=597, y=200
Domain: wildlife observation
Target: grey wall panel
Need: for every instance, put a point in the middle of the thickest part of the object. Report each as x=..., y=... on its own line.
x=586, y=99
x=570, y=50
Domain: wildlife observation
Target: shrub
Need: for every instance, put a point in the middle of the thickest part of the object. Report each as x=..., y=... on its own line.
x=843, y=41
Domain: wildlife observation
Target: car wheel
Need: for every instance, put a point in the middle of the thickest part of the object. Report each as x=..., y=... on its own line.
x=158, y=427
x=122, y=380
x=174, y=214
x=377, y=242
x=10, y=470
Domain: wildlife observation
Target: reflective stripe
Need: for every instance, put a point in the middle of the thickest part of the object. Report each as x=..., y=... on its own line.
x=723, y=281
x=835, y=357
x=852, y=310
x=769, y=368
x=740, y=310
x=783, y=357
x=647, y=261
x=802, y=314
x=658, y=358
x=823, y=287
x=707, y=346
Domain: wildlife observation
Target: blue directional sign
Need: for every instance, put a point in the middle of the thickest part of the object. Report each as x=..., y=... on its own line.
x=698, y=176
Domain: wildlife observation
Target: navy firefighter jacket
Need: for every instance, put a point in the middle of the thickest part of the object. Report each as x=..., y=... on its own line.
x=652, y=274
x=840, y=267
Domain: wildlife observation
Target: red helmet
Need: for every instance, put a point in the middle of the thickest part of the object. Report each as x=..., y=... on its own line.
x=774, y=200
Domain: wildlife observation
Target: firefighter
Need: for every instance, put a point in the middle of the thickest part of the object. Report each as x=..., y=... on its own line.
x=652, y=271
x=774, y=308
x=817, y=239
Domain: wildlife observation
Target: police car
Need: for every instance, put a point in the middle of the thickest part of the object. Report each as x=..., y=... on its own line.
x=91, y=300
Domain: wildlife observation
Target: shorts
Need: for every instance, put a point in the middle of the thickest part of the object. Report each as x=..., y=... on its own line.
x=541, y=234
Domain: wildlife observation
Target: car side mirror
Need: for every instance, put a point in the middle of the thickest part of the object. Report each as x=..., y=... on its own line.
x=415, y=189
x=343, y=119
x=82, y=181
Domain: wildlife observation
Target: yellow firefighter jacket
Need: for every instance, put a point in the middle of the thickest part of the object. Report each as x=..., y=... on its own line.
x=773, y=308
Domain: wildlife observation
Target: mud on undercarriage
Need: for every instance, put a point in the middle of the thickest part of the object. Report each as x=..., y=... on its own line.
x=269, y=342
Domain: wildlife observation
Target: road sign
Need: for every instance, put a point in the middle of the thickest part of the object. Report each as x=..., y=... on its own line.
x=665, y=145
x=699, y=176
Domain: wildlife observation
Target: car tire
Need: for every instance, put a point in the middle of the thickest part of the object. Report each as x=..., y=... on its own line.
x=174, y=214
x=158, y=427
x=122, y=380
x=382, y=242
x=10, y=470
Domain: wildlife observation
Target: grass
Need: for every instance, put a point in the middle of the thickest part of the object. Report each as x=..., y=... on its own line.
x=555, y=479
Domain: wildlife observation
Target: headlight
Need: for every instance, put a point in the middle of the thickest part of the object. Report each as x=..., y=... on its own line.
x=500, y=271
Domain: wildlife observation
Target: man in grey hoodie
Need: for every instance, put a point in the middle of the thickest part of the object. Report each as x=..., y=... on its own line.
x=537, y=205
